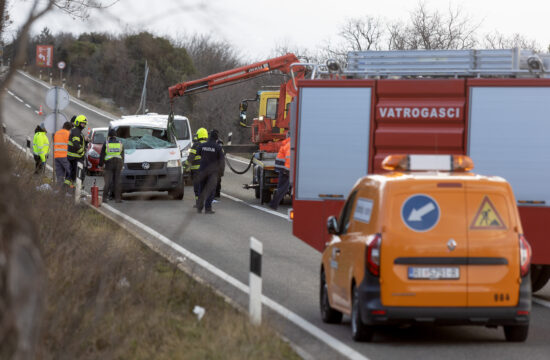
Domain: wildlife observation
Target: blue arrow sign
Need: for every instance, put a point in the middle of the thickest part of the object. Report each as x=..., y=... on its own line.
x=420, y=212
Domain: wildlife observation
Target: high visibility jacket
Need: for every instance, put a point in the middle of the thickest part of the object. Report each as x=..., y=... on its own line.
x=76, y=143
x=113, y=149
x=40, y=145
x=194, y=160
x=60, y=143
x=282, y=161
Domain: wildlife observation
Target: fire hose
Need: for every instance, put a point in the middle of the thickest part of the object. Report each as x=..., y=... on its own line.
x=239, y=172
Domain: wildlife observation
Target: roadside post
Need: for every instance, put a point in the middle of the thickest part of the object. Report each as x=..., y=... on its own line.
x=78, y=185
x=78, y=92
x=28, y=151
x=51, y=78
x=255, y=281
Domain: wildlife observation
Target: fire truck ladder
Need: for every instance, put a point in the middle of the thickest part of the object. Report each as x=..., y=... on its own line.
x=434, y=63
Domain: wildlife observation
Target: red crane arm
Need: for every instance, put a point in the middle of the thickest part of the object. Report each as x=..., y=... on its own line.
x=281, y=63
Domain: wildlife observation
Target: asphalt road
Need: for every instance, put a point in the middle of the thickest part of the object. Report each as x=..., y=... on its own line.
x=290, y=268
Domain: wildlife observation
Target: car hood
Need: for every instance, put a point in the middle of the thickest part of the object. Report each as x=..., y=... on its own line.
x=151, y=155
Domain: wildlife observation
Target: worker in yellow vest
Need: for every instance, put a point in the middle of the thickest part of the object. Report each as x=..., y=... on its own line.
x=112, y=156
x=40, y=148
x=60, y=149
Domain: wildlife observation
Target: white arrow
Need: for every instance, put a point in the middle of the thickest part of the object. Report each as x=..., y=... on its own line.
x=416, y=215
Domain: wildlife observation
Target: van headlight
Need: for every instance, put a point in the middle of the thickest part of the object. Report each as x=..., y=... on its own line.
x=173, y=163
x=185, y=151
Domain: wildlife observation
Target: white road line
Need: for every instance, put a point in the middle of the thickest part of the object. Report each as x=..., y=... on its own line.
x=12, y=94
x=289, y=315
x=258, y=207
x=18, y=98
x=27, y=105
x=36, y=111
x=544, y=303
x=71, y=98
x=234, y=158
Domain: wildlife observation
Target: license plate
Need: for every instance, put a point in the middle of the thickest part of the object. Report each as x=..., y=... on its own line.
x=434, y=273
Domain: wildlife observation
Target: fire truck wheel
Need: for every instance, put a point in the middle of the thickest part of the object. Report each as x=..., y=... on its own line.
x=539, y=276
x=328, y=314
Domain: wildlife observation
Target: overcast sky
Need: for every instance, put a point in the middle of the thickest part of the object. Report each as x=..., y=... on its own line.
x=255, y=28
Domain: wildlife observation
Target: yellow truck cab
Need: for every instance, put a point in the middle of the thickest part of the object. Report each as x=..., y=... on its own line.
x=428, y=242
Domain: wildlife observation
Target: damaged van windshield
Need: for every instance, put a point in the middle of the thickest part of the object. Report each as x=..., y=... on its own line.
x=135, y=137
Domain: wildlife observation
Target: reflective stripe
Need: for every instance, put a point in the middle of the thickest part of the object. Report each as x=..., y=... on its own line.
x=62, y=144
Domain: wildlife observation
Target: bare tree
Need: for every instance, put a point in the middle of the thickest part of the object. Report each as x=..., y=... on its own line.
x=433, y=30
x=497, y=40
x=425, y=30
x=357, y=34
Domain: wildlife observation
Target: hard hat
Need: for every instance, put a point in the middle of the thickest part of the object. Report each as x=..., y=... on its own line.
x=80, y=119
x=202, y=133
x=42, y=126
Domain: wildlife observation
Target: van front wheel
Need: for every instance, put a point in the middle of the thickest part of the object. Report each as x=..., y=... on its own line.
x=177, y=193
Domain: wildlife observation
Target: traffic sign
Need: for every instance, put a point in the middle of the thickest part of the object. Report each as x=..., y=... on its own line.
x=44, y=55
x=61, y=65
x=52, y=125
x=420, y=212
x=57, y=98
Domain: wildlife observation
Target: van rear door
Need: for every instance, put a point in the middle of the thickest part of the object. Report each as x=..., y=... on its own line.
x=424, y=243
x=493, y=245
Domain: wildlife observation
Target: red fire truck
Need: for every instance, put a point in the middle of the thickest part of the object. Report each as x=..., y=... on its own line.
x=493, y=105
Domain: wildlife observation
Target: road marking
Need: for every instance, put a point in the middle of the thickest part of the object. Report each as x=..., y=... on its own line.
x=12, y=94
x=258, y=207
x=280, y=309
x=27, y=105
x=70, y=98
x=234, y=158
x=36, y=111
x=544, y=303
x=18, y=98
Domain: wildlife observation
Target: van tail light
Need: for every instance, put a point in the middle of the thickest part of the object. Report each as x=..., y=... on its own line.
x=374, y=243
x=524, y=255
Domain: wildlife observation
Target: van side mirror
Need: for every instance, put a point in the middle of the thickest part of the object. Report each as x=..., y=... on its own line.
x=332, y=225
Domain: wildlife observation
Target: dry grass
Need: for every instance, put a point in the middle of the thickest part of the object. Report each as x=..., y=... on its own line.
x=110, y=297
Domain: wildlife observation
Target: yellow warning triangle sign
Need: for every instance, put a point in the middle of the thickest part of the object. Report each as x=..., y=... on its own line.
x=487, y=217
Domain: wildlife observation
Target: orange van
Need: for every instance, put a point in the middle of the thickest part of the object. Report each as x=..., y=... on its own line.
x=429, y=242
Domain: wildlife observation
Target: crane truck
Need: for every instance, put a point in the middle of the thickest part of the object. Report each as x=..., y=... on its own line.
x=272, y=123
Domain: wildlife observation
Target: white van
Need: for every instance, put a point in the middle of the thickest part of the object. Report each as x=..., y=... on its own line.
x=152, y=156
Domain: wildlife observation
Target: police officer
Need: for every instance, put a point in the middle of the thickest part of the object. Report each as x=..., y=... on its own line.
x=193, y=161
x=40, y=148
x=76, y=148
x=112, y=156
x=212, y=159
